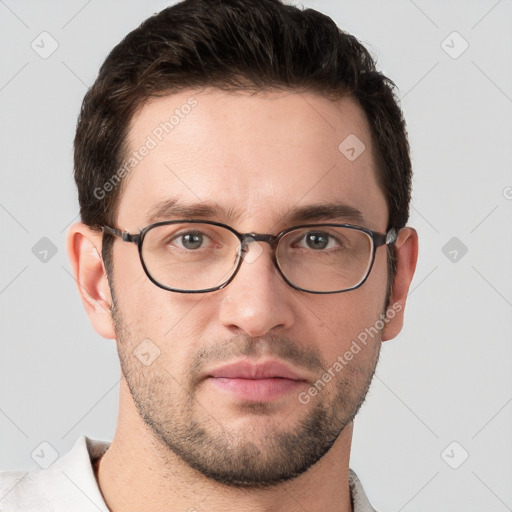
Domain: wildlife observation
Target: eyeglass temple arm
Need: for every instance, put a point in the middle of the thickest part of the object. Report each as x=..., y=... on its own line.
x=127, y=237
x=387, y=239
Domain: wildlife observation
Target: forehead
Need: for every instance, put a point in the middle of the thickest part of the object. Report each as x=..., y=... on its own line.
x=254, y=157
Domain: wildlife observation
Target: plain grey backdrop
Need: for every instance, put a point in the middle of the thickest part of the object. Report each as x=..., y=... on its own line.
x=435, y=431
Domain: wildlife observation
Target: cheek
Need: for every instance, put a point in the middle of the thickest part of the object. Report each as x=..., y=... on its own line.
x=352, y=317
x=139, y=302
x=150, y=312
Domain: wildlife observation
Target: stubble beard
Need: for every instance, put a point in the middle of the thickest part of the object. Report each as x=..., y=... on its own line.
x=262, y=457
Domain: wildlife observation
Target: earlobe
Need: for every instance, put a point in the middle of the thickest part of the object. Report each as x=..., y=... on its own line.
x=407, y=256
x=84, y=252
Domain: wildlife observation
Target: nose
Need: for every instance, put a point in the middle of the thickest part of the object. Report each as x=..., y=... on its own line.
x=258, y=299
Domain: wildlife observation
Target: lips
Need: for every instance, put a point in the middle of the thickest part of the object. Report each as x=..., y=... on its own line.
x=266, y=381
x=255, y=371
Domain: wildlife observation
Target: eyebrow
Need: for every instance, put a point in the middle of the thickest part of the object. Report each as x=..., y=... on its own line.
x=172, y=208
x=328, y=211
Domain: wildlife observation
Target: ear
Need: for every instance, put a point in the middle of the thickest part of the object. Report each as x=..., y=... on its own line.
x=407, y=256
x=84, y=252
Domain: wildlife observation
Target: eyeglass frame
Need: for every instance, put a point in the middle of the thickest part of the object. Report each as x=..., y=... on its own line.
x=378, y=240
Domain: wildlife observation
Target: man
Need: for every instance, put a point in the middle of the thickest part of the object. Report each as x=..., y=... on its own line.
x=244, y=183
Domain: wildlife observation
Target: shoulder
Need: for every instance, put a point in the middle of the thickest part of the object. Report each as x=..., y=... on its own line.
x=20, y=491
x=360, y=501
x=68, y=484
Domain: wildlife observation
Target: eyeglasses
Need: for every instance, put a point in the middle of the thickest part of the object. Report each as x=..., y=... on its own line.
x=196, y=256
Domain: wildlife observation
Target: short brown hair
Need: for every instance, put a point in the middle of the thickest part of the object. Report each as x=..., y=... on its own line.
x=233, y=45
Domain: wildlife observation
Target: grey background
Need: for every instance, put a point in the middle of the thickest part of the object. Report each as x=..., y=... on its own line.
x=446, y=378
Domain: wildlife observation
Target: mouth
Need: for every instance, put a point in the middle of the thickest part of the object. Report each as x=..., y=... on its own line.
x=259, y=382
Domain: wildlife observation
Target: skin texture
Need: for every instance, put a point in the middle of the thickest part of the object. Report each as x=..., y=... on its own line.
x=180, y=443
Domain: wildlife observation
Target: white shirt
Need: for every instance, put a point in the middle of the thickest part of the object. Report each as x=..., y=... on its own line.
x=69, y=484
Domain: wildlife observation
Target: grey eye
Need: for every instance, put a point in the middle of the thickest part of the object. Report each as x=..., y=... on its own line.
x=191, y=240
x=317, y=241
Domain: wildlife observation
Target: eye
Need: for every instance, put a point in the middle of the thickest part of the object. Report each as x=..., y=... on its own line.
x=318, y=240
x=191, y=240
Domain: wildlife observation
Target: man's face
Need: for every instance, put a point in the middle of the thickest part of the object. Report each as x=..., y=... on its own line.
x=257, y=158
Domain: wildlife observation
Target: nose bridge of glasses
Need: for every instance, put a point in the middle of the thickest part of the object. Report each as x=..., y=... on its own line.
x=257, y=237
x=247, y=238
x=250, y=255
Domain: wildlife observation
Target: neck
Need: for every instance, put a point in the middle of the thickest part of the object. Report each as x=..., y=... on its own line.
x=139, y=473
